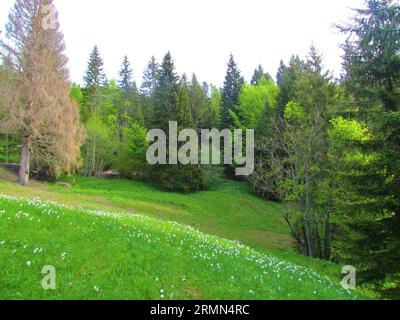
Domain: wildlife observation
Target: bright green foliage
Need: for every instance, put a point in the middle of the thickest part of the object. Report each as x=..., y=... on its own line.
x=130, y=159
x=253, y=101
x=98, y=146
x=215, y=103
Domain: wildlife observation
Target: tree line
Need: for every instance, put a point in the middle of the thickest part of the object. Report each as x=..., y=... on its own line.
x=327, y=149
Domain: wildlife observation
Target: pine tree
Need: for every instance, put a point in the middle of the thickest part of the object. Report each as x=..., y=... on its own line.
x=41, y=107
x=258, y=74
x=230, y=93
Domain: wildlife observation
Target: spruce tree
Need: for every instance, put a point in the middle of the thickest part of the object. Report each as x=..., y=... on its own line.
x=258, y=74
x=95, y=76
x=371, y=190
x=128, y=106
x=230, y=93
x=172, y=103
x=150, y=76
x=94, y=83
x=198, y=104
x=166, y=94
x=126, y=82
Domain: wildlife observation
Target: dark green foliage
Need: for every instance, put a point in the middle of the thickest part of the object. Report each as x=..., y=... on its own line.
x=95, y=75
x=258, y=74
x=172, y=103
x=126, y=82
x=9, y=149
x=372, y=194
x=94, y=83
x=286, y=79
x=230, y=94
x=199, y=105
x=150, y=77
x=128, y=106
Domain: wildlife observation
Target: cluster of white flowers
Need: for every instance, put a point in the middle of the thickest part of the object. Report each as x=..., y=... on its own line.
x=211, y=250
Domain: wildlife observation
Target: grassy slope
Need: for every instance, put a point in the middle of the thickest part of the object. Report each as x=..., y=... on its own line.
x=100, y=255
x=228, y=210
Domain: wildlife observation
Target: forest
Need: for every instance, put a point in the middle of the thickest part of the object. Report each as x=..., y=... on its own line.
x=327, y=149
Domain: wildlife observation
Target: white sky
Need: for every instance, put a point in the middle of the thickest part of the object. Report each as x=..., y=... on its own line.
x=199, y=33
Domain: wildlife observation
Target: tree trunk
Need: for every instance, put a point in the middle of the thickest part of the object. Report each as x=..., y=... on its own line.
x=307, y=219
x=7, y=152
x=24, y=167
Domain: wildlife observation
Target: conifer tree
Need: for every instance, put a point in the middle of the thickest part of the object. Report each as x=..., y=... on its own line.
x=94, y=82
x=258, y=74
x=230, y=93
x=128, y=106
x=150, y=76
x=371, y=192
x=172, y=103
x=41, y=107
x=198, y=104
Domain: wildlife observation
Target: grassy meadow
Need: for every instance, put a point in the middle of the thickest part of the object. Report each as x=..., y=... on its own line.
x=120, y=239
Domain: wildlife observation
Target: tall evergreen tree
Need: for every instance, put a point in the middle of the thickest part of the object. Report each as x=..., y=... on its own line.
x=198, y=104
x=95, y=76
x=172, y=103
x=128, y=106
x=150, y=76
x=166, y=94
x=258, y=74
x=94, y=82
x=371, y=190
x=126, y=82
x=286, y=80
x=230, y=93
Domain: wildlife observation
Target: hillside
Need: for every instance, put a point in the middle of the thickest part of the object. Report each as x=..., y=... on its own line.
x=129, y=224
x=104, y=255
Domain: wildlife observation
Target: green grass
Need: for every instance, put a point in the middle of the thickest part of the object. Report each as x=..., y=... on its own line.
x=104, y=255
x=229, y=210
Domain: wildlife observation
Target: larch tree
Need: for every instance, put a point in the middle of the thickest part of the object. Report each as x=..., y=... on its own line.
x=41, y=109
